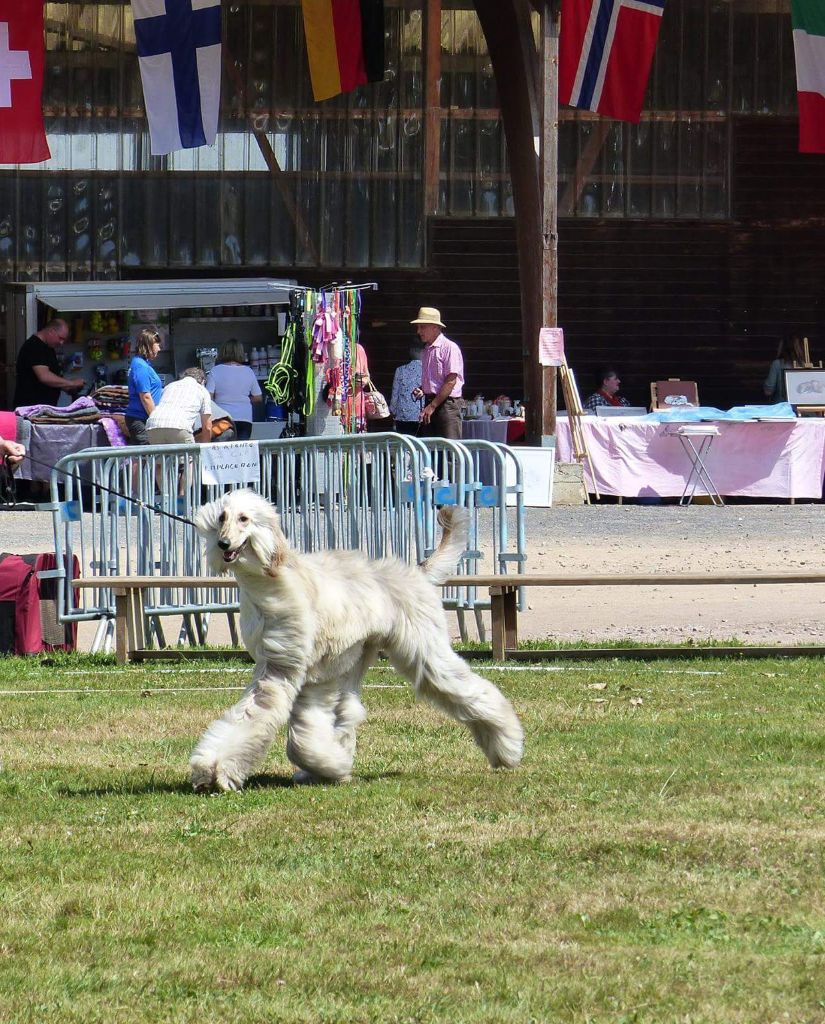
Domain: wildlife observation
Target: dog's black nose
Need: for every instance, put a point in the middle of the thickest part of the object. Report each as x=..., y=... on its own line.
x=223, y=544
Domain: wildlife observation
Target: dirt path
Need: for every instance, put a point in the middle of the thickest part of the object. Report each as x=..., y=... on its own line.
x=614, y=539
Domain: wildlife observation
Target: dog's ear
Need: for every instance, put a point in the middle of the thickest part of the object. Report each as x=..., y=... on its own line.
x=206, y=518
x=267, y=539
x=280, y=546
x=278, y=558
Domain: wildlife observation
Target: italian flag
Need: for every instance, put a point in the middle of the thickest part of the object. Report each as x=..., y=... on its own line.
x=809, y=45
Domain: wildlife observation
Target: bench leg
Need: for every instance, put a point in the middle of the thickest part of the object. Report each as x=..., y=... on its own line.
x=121, y=613
x=510, y=619
x=498, y=629
x=129, y=633
x=134, y=622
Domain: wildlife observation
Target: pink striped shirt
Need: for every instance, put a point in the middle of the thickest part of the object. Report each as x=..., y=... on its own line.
x=438, y=361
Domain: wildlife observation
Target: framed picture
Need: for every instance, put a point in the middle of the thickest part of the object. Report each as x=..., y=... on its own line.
x=805, y=387
x=674, y=394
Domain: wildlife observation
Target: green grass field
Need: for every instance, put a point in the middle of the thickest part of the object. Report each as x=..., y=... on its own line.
x=658, y=857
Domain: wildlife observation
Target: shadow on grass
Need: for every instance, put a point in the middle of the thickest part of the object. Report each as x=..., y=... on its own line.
x=183, y=788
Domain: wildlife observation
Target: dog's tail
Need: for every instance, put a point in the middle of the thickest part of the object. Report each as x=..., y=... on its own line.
x=455, y=522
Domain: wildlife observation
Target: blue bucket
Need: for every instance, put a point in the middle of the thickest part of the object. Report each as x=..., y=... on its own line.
x=273, y=411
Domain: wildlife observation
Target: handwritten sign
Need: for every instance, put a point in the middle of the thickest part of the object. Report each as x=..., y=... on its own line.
x=551, y=346
x=233, y=462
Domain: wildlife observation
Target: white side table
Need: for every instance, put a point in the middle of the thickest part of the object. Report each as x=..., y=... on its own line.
x=696, y=440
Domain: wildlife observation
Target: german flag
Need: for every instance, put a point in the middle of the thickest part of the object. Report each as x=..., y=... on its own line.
x=345, y=44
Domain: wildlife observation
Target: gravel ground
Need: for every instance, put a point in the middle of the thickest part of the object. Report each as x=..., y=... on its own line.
x=628, y=538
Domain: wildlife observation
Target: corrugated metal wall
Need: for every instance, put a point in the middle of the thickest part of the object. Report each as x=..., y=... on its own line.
x=693, y=299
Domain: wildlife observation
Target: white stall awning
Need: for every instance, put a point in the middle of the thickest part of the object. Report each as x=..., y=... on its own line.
x=81, y=296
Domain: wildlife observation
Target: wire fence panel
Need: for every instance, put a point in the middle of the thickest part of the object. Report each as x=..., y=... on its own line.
x=129, y=511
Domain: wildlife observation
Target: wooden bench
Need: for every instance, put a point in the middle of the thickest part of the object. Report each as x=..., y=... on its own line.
x=129, y=590
x=504, y=592
x=129, y=604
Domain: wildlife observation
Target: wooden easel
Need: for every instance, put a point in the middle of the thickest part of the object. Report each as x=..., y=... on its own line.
x=808, y=364
x=573, y=404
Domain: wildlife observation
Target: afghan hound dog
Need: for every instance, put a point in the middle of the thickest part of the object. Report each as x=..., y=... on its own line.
x=313, y=624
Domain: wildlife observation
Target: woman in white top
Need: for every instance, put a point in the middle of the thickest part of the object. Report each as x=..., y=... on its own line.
x=234, y=386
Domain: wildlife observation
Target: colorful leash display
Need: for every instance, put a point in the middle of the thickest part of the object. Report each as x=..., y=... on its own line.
x=280, y=384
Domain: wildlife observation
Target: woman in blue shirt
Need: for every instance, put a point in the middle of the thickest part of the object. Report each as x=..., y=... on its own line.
x=144, y=385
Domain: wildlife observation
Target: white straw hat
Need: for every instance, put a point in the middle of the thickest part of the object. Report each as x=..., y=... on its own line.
x=428, y=315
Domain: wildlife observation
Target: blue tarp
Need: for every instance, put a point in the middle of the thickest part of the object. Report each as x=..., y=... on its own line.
x=737, y=413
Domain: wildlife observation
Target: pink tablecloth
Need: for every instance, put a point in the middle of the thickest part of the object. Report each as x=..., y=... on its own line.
x=636, y=458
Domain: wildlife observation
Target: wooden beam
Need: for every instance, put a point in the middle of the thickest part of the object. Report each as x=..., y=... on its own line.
x=542, y=396
x=432, y=106
x=508, y=31
x=584, y=168
x=271, y=161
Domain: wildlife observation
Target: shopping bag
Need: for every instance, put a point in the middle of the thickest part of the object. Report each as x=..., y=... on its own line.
x=375, y=405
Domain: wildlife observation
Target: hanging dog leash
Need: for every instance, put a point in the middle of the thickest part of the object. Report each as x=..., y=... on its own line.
x=110, y=490
x=8, y=489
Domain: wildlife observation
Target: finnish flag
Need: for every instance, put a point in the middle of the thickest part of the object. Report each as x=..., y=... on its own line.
x=179, y=51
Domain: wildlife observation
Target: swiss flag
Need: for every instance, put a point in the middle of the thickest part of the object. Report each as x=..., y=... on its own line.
x=22, y=55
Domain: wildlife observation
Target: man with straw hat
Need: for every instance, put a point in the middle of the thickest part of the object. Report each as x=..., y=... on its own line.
x=442, y=377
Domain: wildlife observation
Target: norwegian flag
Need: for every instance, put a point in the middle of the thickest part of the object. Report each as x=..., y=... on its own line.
x=22, y=55
x=606, y=48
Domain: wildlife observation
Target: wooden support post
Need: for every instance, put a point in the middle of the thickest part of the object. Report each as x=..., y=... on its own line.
x=510, y=596
x=121, y=642
x=137, y=618
x=541, y=396
x=498, y=627
x=432, y=105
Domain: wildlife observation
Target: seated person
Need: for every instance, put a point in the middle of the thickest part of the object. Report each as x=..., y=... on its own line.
x=790, y=351
x=37, y=380
x=174, y=418
x=606, y=393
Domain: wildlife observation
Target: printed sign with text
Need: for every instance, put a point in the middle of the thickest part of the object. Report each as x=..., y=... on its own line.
x=232, y=462
x=551, y=346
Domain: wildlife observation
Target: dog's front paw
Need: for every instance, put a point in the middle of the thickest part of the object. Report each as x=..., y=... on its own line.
x=228, y=777
x=202, y=775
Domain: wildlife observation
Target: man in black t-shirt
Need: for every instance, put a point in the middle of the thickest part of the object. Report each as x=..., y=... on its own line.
x=38, y=381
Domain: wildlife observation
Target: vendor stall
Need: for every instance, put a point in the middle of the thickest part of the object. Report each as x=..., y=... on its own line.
x=637, y=458
x=48, y=443
x=195, y=317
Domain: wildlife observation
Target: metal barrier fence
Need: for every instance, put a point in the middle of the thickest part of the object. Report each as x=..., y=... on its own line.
x=378, y=493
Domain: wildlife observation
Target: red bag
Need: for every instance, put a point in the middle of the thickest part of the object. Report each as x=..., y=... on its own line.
x=29, y=606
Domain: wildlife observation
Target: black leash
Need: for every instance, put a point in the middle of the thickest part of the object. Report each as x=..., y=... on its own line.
x=109, y=490
x=8, y=490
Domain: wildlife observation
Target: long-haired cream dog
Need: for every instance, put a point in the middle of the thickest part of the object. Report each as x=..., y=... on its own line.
x=314, y=623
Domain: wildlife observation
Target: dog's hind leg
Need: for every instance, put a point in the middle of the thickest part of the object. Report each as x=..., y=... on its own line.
x=441, y=677
x=321, y=739
x=235, y=745
x=324, y=724
x=349, y=711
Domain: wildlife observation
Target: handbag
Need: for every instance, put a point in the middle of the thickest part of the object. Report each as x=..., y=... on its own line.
x=375, y=405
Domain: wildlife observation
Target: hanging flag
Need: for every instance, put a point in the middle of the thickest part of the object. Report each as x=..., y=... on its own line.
x=179, y=52
x=22, y=56
x=808, y=18
x=606, y=48
x=345, y=44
